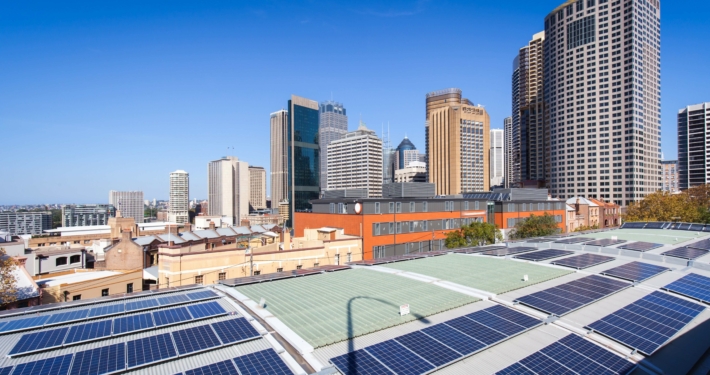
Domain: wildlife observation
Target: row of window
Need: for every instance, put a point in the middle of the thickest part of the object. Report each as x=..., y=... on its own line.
x=512, y=221
x=62, y=261
x=380, y=229
x=535, y=206
x=105, y=292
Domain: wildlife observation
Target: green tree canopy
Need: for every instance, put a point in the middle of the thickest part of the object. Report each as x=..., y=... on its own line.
x=690, y=206
x=535, y=226
x=474, y=234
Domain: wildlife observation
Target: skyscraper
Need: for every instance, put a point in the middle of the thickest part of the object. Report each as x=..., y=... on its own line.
x=406, y=153
x=602, y=91
x=228, y=184
x=303, y=154
x=355, y=161
x=179, y=197
x=457, y=143
x=512, y=153
x=257, y=194
x=279, y=157
x=497, y=157
x=693, y=145
x=333, y=126
x=670, y=176
x=130, y=203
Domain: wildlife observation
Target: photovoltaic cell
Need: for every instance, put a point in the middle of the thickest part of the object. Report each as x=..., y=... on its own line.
x=696, y=227
x=499, y=324
x=205, y=294
x=69, y=316
x=359, y=362
x=583, y=261
x=454, y=339
x=509, y=251
x=39, y=340
x=263, y=362
x=683, y=226
x=648, y=323
x=693, y=286
x=641, y=246
x=544, y=254
x=22, y=324
x=171, y=316
x=235, y=330
x=89, y=331
x=633, y=225
x=103, y=360
x=426, y=347
x=604, y=242
x=572, y=240
x=106, y=310
x=203, y=310
x=150, y=349
x=132, y=323
x=172, y=300
x=219, y=368
x=398, y=358
x=704, y=245
x=514, y=316
x=5, y=370
x=54, y=366
x=141, y=305
x=195, y=339
x=656, y=225
x=686, y=253
x=478, y=331
x=635, y=271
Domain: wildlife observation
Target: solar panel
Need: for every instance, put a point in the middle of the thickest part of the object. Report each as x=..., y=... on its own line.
x=686, y=253
x=565, y=298
x=633, y=225
x=263, y=362
x=704, y=244
x=696, y=227
x=5, y=370
x=141, y=305
x=171, y=316
x=635, y=271
x=235, y=330
x=656, y=225
x=195, y=339
x=150, y=350
x=173, y=300
x=132, y=323
x=693, y=286
x=674, y=226
x=509, y=251
x=476, y=330
x=39, y=340
x=106, y=310
x=641, y=246
x=572, y=240
x=330, y=268
x=683, y=226
x=204, y=294
x=538, y=256
x=426, y=347
x=54, y=366
x=203, y=310
x=399, y=359
x=475, y=250
x=103, y=360
x=454, y=339
x=540, y=240
x=69, y=316
x=496, y=323
x=514, y=316
x=648, y=323
x=22, y=324
x=583, y=261
x=89, y=331
x=359, y=362
x=604, y=242
x=707, y=228
x=219, y=368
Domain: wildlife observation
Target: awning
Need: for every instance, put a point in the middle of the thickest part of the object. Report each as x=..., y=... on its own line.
x=150, y=273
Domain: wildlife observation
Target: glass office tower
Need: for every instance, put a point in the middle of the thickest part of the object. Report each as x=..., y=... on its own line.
x=303, y=155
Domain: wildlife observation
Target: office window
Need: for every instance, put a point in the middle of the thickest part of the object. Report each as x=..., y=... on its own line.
x=350, y=257
x=525, y=207
x=377, y=207
x=280, y=269
x=558, y=218
x=465, y=205
x=476, y=205
x=332, y=208
x=337, y=259
x=411, y=226
x=222, y=276
x=129, y=288
x=399, y=207
x=425, y=206
x=377, y=229
x=511, y=207
x=511, y=223
x=425, y=225
x=340, y=208
x=62, y=261
x=104, y=292
x=391, y=228
x=75, y=259
x=540, y=206
x=391, y=207
x=399, y=228
x=406, y=248
x=257, y=273
x=412, y=207
x=445, y=224
x=76, y=297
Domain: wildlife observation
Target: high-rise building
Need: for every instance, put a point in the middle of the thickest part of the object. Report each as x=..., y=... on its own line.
x=355, y=161
x=19, y=223
x=178, y=212
x=414, y=172
x=670, y=176
x=457, y=143
x=81, y=215
x=693, y=145
x=333, y=126
x=279, y=157
x=303, y=155
x=512, y=155
x=130, y=203
x=228, y=185
x=257, y=194
x=497, y=157
x=405, y=153
x=602, y=91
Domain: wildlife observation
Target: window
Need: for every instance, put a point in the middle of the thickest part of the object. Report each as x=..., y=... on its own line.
x=298, y=267
x=558, y=218
x=511, y=207
x=350, y=257
x=412, y=207
x=425, y=207
x=399, y=207
x=316, y=264
x=337, y=259
x=167, y=281
x=476, y=205
x=76, y=297
x=425, y=224
x=445, y=224
x=465, y=206
x=378, y=252
x=391, y=207
x=257, y=273
x=222, y=276
x=411, y=226
x=340, y=208
x=399, y=228
x=129, y=288
x=540, y=206
x=280, y=269
x=391, y=227
x=524, y=208
x=104, y=292
x=75, y=259
x=332, y=208
x=511, y=223
x=198, y=279
x=377, y=229
x=377, y=207
x=62, y=261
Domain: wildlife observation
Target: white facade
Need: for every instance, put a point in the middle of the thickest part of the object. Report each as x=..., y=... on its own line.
x=179, y=197
x=356, y=162
x=497, y=157
x=257, y=187
x=279, y=157
x=130, y=203
x=228, y=188
x=333, y=126
x=508, y=149
x=415, y=172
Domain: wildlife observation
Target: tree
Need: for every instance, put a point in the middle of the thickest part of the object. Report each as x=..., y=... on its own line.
x=689, y=206
x=8, y=283
x=474, y=234
x=535, y=226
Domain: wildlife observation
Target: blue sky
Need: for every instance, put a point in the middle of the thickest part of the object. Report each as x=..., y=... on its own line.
x=108, y=95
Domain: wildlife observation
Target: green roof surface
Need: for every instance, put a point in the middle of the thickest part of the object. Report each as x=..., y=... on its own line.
x=319, y=308
x=481, y=272
x=663, y=236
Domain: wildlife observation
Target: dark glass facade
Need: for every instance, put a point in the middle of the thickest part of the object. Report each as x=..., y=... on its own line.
x=303, y=158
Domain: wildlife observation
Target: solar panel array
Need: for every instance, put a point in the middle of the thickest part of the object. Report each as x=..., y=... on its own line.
x=268, y=277
x=583, y=261
x=565, y=298
x=573, y=240
x=635, y=271
x=263, y=362
x=538, y=256
x=693, y=286
x=100, y=311
x=477, y=249
x=604, y=242
x=633, y=225
x=541, y=240
x=694, y=227
x=648, y=323
x=509, y=251
x=144, y=351
x=422, y=351
x=641, y=246
x=570, y=355
x=657, y=225
x=46, y=339
x=686, y=253
x=704, y=245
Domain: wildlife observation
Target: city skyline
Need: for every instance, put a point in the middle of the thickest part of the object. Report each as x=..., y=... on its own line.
x=92, y=85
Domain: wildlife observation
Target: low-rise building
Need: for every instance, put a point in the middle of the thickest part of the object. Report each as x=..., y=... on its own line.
x=586, y=213
x=86, y=284
x=415, y=172
x=609, y=213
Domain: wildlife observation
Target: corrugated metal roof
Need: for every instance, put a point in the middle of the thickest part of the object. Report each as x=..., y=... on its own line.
x=207, y=233
x=241, y=230
x=144, y=240
x=189, y=236
x=225, y=232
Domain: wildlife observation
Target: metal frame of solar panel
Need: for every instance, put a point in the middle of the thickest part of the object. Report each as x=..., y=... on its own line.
x=696, y=227
x=436, y=346
x=648, y=323
x=641, y=246
x=692, y=286
x=634, y=225
x=570, y=355
x=583, y=261
x=477, y=250
x=689, y=253
x=707, y=228
x=509, y=251
x=604, y=242
x=656, y=225
x=538, y=256
x=635, y=271
x=573, y=240
x=563, y=299
x=541, y=240
x=683, y=226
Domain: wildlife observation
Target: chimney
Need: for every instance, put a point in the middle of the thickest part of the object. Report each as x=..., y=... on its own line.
x=126, y=235
x=212, y=227
x=187, y=227
x=172, y=229
x=576, y=206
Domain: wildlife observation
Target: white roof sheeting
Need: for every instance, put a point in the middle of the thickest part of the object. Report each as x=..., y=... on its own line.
x=75, y=278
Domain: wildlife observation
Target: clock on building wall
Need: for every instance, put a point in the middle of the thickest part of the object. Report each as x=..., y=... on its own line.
x=358, y=208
